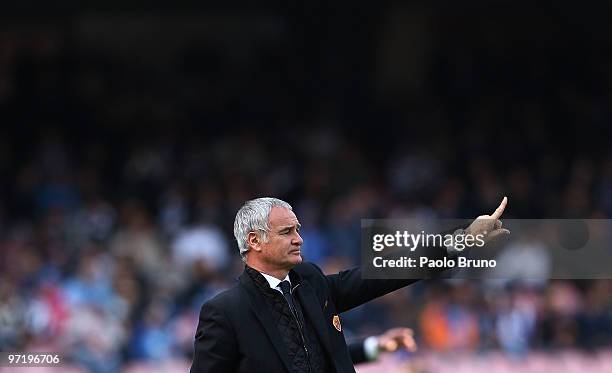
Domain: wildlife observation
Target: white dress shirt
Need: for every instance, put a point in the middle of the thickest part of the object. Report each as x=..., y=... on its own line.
x=274, y=282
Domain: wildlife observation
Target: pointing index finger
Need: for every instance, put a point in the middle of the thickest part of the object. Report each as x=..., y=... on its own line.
x=498, y=212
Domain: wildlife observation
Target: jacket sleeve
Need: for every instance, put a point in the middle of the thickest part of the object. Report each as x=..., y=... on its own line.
x=349, y=289
x=215, y=346
x=357, y=351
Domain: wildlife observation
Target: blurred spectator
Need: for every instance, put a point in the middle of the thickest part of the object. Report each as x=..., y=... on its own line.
x=205, y=244
x=137, y=239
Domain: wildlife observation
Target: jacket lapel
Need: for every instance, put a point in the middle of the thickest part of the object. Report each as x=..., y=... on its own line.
x=260, y=308
x=310, y=304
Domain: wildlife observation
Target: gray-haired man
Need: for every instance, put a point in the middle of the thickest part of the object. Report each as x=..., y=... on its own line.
x=283, y=315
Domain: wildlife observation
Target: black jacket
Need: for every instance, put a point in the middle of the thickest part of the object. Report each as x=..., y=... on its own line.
x=236, y=333
x=357, y=351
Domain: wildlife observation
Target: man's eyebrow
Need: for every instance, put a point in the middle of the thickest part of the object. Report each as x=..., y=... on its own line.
x=298, y=225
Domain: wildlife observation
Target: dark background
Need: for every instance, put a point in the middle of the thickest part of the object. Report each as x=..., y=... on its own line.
x=130, y=137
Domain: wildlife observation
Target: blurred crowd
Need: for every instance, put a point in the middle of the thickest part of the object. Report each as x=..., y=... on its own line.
x=119, y=186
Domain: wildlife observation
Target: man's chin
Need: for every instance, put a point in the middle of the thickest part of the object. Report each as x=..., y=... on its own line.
x=295, y=258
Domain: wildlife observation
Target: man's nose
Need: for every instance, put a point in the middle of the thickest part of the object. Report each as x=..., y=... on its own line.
x=297, y=239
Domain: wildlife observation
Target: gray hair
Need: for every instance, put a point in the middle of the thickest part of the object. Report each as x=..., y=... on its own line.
x=252, y=217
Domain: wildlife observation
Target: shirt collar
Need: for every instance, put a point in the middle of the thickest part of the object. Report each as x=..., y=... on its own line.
x=273, y=281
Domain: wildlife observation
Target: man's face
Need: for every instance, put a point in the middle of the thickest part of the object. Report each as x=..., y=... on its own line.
x=283, y=249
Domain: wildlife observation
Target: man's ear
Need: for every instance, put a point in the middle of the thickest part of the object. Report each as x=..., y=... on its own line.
x=254, y=241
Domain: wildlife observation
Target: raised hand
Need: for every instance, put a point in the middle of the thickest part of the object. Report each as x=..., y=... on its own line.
x=489, y=225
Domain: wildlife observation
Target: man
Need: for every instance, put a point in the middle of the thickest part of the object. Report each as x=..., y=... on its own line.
x=283, y=315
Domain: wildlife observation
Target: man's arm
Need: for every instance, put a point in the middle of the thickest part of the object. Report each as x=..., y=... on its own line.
x=349, y=289
x=357, y=351
x=368, y=349
x=215, y=345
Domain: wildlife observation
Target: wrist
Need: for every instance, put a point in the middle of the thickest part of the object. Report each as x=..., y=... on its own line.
x=451, y=250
